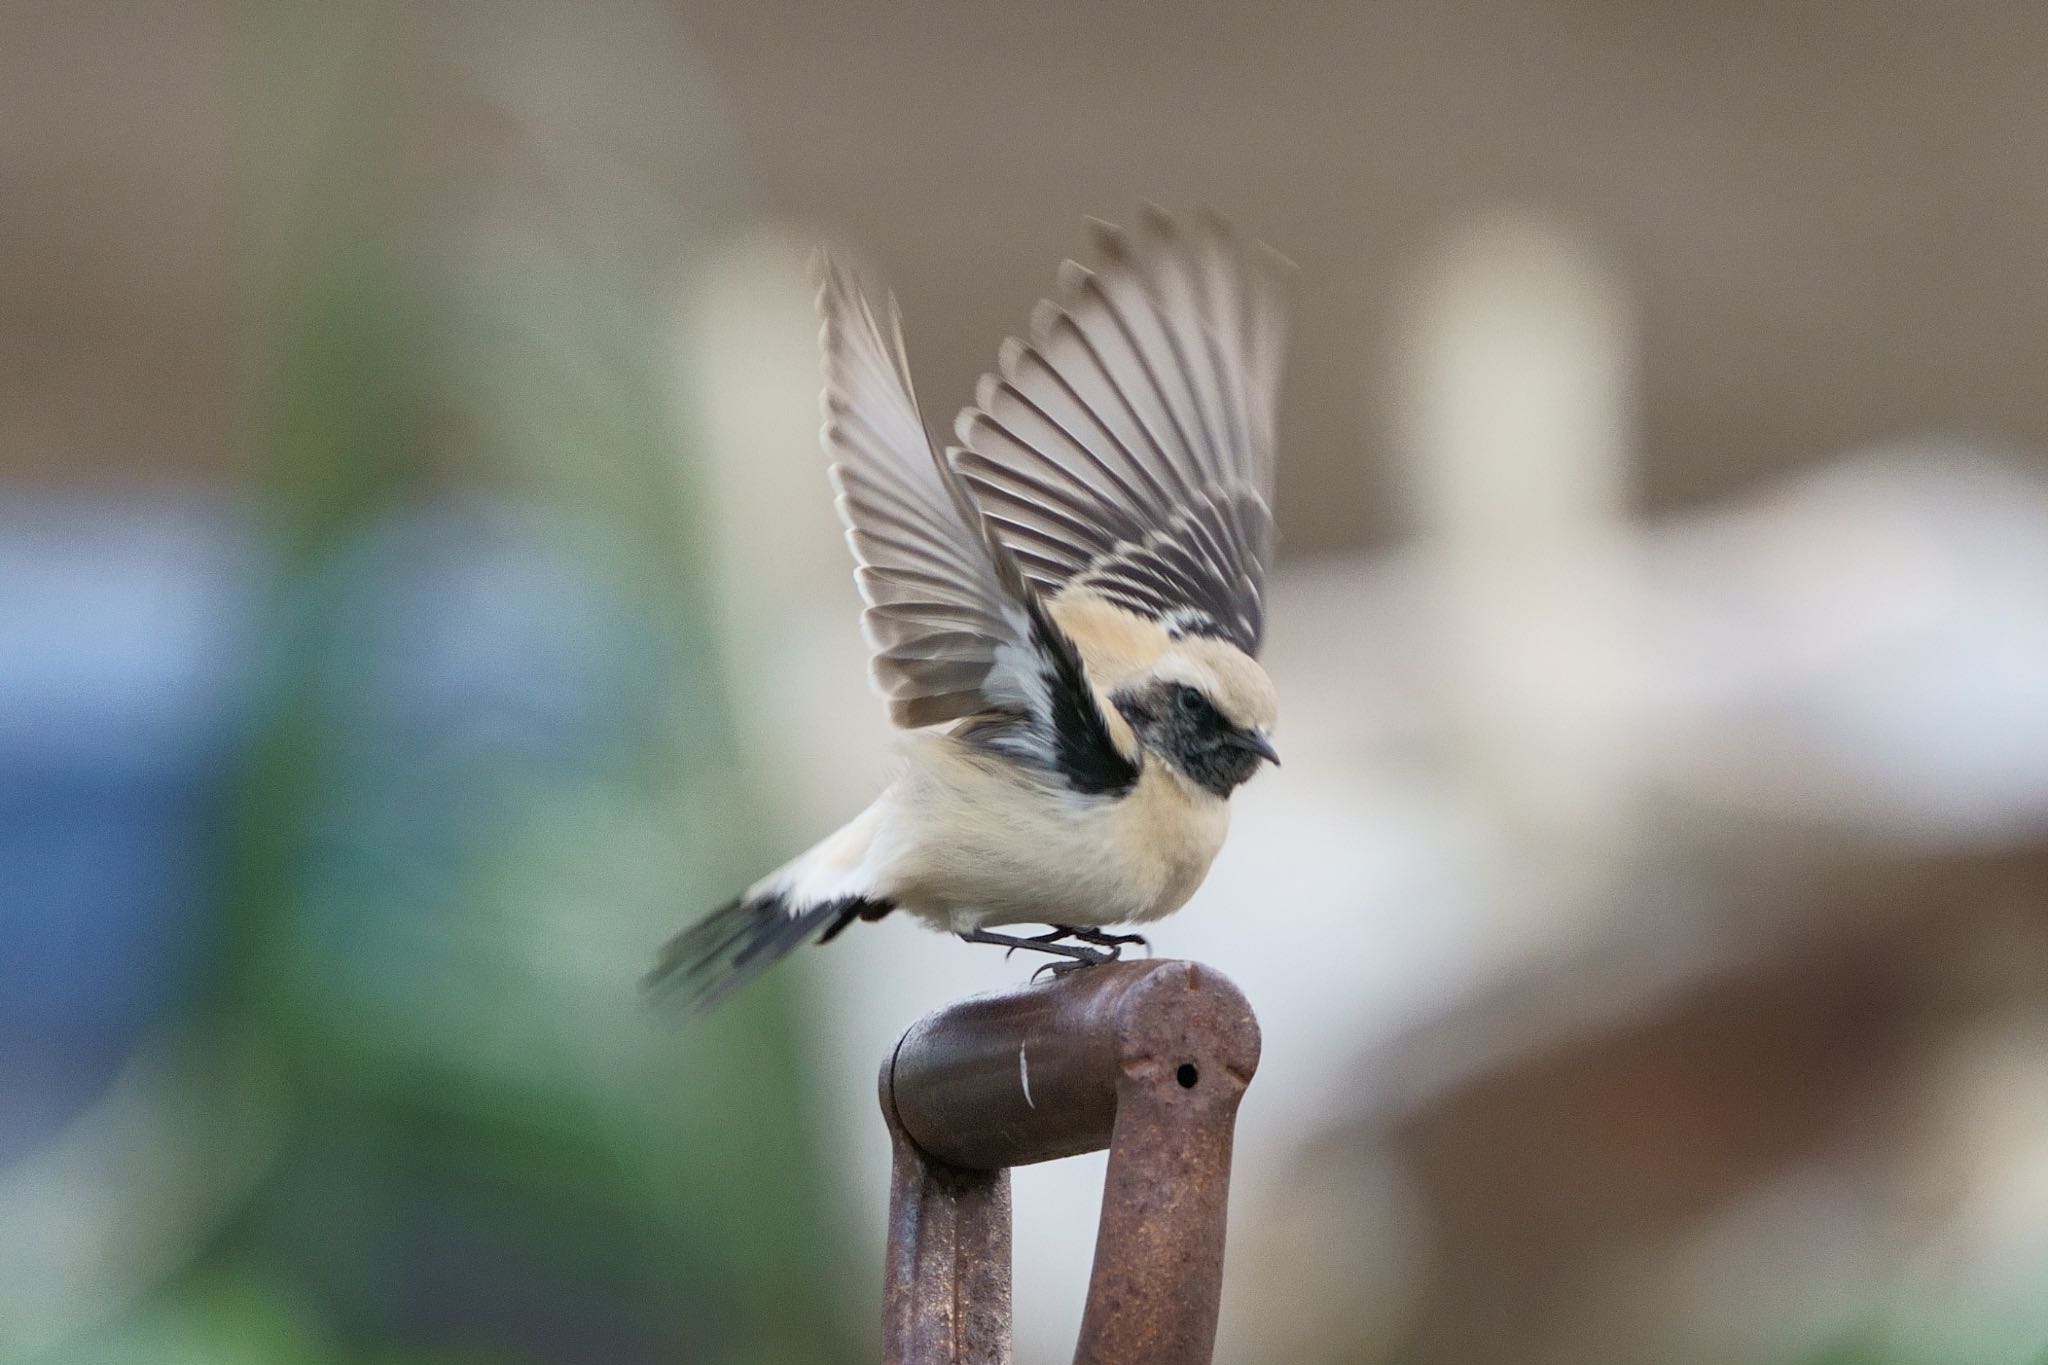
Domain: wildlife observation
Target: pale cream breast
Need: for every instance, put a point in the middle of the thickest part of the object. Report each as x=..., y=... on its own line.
x=983, y=842
x=1177, y=829
x=986, y=844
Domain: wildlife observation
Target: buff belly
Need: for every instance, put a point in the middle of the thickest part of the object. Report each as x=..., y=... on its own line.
x=982, y=847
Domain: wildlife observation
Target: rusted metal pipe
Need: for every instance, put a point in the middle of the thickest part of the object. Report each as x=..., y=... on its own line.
x=946, y=1294
x=1149, y=1059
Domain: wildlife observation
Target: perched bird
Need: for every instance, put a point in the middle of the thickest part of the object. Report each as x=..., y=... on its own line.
x=1064, y=608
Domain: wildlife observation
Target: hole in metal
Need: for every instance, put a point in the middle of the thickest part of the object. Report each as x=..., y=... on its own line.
x=1187, y=1075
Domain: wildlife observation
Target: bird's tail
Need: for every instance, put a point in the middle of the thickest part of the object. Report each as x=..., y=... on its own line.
x=813, y=898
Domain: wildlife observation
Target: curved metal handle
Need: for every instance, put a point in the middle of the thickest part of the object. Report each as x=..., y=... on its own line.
x=1149, y=1059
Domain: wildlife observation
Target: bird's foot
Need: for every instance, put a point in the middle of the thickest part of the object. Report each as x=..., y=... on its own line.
x=1077, y=955
x=1059, y=969
x=1036, y=942
x=1116, y=943
x=1096, y=938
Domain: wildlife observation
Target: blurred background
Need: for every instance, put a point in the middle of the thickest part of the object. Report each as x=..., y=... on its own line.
x=419, y=595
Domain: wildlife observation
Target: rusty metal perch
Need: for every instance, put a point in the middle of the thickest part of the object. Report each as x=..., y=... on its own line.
x=1148, y=1059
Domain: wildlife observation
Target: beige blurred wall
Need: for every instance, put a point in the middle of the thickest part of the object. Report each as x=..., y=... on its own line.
x=114, y=240
x=1830, y=214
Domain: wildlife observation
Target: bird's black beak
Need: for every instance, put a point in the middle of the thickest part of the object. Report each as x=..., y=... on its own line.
x=1259, y=743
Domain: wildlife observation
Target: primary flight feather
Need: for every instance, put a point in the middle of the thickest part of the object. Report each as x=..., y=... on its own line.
x=1065, y=609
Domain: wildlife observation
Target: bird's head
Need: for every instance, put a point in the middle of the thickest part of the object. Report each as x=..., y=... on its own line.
x=1205, y=707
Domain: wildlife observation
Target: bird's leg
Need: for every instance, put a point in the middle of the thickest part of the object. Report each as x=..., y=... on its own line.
x=1037, y=942
x=1097, y=938
x=1044, y=943
x=1103, y=939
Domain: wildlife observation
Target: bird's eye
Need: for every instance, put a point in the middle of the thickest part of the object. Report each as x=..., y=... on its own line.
x=1188, y=700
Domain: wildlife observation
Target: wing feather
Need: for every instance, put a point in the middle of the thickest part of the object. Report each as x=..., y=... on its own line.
x=1127, y=445
x=957, y=630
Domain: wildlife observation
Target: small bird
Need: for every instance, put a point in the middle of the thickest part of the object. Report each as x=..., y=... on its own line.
x=1064, y=609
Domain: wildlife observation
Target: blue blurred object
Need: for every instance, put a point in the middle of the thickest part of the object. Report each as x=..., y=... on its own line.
x=125, y=653
x=460, y=665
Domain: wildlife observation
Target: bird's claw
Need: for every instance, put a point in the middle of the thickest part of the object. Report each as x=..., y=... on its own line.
x=1052, y=935
x=1078, y=955
x=1090, y=948
x=1080, y=964
x=1114, y=942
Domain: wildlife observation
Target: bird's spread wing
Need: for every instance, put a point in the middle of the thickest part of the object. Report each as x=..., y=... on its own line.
x=1126, y=447
x=956, y=630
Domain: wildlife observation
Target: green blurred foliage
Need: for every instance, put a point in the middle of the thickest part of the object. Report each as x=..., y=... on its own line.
x=489, y=1147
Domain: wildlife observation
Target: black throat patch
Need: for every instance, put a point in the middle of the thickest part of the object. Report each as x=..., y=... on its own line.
x=1181, y=726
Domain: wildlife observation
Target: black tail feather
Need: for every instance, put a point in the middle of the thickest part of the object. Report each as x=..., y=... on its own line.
x=731, y=946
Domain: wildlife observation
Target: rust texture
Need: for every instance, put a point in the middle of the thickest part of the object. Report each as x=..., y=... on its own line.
x=946, y=1276
x=1149, y=1059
